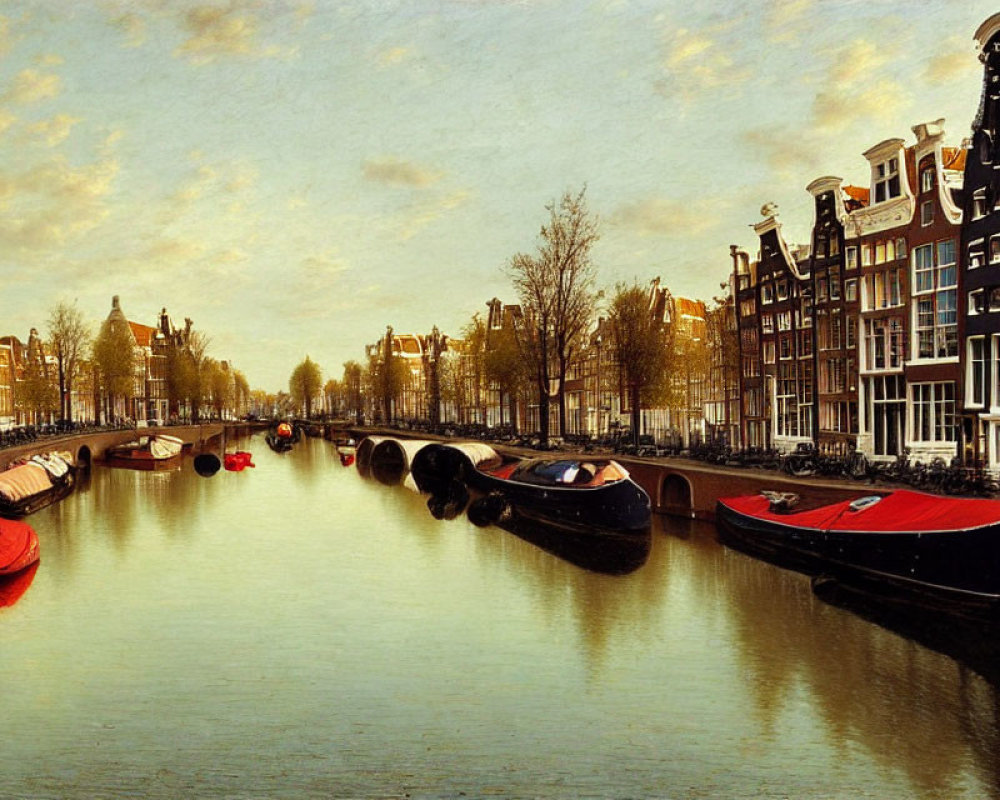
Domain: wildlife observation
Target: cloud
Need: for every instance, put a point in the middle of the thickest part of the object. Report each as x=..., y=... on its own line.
x=787, y=21
x=133, y=26
x=417, y=218
x=53, y=131
x=31, y=86
x=666, y=216
x=955, y=62
x=698, y=60
x=215, y=32
x=785, y=150
x=53, y=202
x=856, y=88
x=395, y=172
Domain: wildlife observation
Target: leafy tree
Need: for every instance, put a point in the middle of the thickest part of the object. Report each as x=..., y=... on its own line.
x=474, y=351
x=69, y=337
x=332, y=394
x=353, y=382
x=555, y=288
x=387, y=373
x=642, y=350
x=504, y=366
x=305, y=384
x=36, y=393
x=241, y=393
x=114, y=354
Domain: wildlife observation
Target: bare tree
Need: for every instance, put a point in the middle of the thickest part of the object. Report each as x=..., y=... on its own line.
x=504, y=367
x=556, y=290
x=69, y=337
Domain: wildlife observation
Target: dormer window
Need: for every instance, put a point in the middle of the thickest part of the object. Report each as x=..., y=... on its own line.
x=926, y=180
x=887, y=180
x=979, y=204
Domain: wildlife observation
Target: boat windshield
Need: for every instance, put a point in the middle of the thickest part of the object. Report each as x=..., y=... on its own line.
x=554, y=472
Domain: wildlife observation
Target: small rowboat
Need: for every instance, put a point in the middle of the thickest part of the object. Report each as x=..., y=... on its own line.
x=156, y=451
x=942, y=550
x=18, y=546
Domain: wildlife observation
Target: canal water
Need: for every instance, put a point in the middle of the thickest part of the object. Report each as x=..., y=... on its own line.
x=297, y=631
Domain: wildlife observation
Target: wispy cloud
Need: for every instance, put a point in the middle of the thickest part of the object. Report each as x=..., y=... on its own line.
x=53, y=202
x=695, y=60
x=219, y=32
x=666, y=216
x=394, y=171
x=31, y=86
x=393, y=55
x=785, y=150
x=858, y=88
x=953, y=63
x=787, y=21
x=54, y=131
x=133, y=26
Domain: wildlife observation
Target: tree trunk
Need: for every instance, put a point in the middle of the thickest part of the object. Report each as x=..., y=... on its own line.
x=636, y=413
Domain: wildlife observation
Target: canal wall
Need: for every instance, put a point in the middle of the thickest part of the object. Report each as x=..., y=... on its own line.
x=679, y=486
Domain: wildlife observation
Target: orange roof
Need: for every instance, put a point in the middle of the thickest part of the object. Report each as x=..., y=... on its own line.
x=858, y=193
x=143, y=334
x=953, y=157
x=690, y=308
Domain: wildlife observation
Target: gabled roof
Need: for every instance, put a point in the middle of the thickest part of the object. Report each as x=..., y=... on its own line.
x=143, y=334
x=858, y=194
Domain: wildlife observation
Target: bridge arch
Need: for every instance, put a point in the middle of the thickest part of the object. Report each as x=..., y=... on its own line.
x=676, y=496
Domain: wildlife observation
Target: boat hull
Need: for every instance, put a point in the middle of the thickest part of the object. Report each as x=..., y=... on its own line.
x=620, y=506
x=956, y=569
x=15, y=509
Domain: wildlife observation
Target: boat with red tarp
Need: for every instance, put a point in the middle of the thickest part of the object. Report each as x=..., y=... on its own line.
x=18, y=546
x=945, y=550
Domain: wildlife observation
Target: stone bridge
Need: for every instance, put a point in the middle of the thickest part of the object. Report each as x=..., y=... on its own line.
x=91, y=446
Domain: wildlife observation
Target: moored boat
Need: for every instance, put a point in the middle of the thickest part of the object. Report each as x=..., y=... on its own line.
x=18, y=546
x=35, y=482
x=346, y=449
x=579, y=495
x=282, y=438
x=156, y=451
x=238, y=461
x=943, y=551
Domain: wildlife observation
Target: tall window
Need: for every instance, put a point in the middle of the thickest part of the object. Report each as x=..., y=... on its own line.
x=926, y=180
x=886, y=412
x=975, y=377
x=936, y=300
x=887, y=180
x=786, y=418
x=933, y=410
x=852, y=258
x=883, y=343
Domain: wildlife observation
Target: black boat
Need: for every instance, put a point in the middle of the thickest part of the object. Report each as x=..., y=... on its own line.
x=942, y=553
x=35, y=483
x=571, y=494
x=282, y=438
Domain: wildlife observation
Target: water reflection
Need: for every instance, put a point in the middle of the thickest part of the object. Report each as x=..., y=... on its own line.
x=360, y=636
x=911, y=707
x=13, y=587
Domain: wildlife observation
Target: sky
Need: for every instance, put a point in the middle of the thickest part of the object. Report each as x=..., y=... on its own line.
x=295, y=176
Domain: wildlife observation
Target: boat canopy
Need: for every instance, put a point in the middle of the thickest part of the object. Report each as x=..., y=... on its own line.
x=901, y=511
x=24, y=481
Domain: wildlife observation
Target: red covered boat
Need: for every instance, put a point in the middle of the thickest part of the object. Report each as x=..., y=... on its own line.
x=238, y=461
x=18, y=546
x=940, y=548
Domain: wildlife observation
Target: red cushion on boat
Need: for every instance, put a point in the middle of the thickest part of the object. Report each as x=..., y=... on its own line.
x=901, y=510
